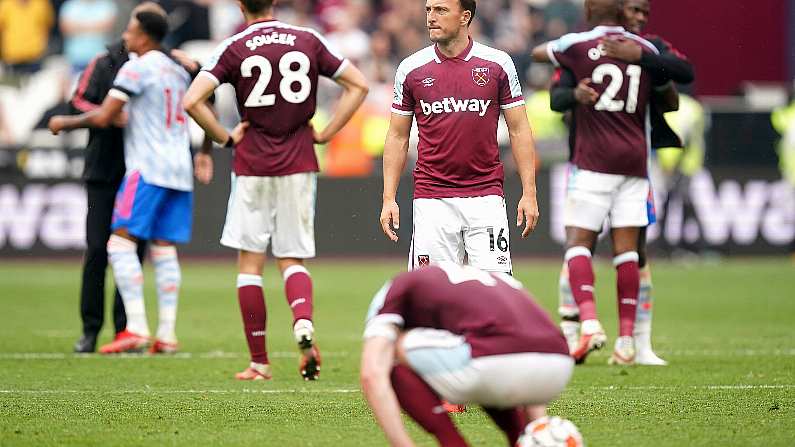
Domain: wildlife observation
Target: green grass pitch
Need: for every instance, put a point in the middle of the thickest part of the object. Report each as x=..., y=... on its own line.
x=728, y=330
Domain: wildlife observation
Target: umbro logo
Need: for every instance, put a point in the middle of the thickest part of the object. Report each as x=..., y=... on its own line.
x=502, y=260
x=428, y=82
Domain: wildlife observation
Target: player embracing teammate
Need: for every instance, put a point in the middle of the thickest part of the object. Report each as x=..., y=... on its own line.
x=274, y=68
x=566, y=93
x=155, y=200
x=610, y=174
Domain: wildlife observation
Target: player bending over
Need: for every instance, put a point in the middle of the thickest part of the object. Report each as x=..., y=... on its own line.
x=155, y=199
x=464, y=335
x=274, y=68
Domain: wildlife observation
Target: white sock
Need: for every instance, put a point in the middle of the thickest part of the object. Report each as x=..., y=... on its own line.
x=168, y=278
x=129, y=276
x=642, y=331
x=567, y=307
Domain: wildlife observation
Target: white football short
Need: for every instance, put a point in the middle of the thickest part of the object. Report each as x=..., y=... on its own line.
x=444, y=362
x=272, y=210
x=463, y=230
x=594, y=196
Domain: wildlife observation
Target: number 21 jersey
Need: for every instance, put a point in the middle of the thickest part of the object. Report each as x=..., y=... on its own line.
x=274, y=68
x=613, y=134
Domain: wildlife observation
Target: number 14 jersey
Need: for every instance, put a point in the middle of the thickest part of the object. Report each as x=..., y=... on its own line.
x=614, y=133
x=274, y=68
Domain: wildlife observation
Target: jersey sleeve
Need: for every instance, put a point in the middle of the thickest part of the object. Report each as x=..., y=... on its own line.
x=403, y=102
x=220, y=65
x=129, y=81
x=559, y=50
x=330, y=63
x=387, y=310
x=510, y=86
x=89, y=93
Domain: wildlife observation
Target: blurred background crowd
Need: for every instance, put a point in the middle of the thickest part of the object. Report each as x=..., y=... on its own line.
x=59, y=38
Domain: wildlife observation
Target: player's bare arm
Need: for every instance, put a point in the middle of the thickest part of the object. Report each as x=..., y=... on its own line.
x=540, y=53
x=396, y=149
x=524, y=154
x=378, y=356
x=566, y=95
x=109, y=113
x=195, y=103
x=623, y=49
x=354, y=91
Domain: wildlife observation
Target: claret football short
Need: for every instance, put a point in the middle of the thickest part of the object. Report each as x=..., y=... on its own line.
x=463, y=230
x=279, y=211
x=594, y=196
x=444, y=362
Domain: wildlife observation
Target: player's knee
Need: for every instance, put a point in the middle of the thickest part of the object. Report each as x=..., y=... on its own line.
x=580, y=239
x=119, y=244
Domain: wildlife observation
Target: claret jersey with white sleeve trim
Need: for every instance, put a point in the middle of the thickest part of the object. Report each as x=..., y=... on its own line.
x=274, y=68
x=457, y=103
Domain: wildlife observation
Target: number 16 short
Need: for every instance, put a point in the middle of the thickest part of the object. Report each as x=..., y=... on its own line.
x=464, y=230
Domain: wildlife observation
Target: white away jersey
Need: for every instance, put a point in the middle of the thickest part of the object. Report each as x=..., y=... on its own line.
x=156, y=140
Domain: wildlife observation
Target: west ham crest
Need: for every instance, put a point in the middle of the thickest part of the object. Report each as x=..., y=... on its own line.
x=480, y=76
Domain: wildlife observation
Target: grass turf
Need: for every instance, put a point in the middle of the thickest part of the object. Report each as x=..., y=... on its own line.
x=728, y=330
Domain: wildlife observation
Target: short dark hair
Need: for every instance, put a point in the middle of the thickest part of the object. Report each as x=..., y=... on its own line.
x=257, y=6
x=153, y=24
x=471, y=6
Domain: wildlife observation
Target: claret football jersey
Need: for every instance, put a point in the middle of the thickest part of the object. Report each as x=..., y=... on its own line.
x=613, y=135
x=457, y=103
x=490, y=310
x=274, y=68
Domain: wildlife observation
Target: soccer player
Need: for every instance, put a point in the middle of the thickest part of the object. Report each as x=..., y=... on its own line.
x=456, y=90
x=610, y=176
x=564, y=97
x=274, y=68
x=155, y=199
x=458, y=333
x=103, y=174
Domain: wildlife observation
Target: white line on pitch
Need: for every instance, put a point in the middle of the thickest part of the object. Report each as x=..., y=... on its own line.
x=355, y=391
x=152, y=391
x=692, y=387
x=179, y=355
x=290, y=354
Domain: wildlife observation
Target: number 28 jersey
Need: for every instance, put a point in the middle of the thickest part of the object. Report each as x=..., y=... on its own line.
x=614, y=133
x=274, y=68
